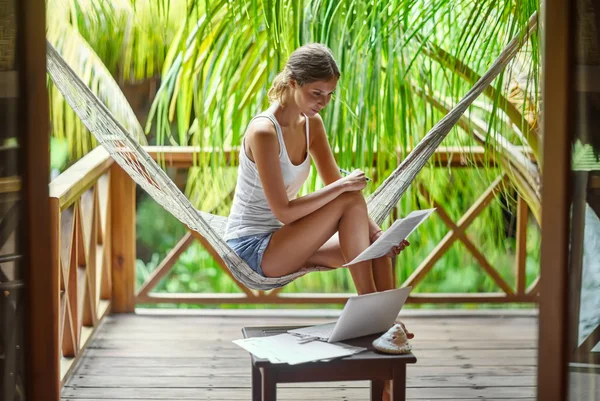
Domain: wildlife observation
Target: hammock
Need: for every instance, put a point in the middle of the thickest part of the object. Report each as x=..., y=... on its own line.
x=130, y=155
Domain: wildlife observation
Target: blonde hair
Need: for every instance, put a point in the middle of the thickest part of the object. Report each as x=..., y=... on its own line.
x=309, y=63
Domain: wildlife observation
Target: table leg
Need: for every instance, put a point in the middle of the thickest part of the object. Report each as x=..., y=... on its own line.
x=399, y=383
x=256, y=384
x=376, y=390
x=269, y=385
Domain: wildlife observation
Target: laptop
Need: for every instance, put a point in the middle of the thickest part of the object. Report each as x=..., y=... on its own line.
x=362, y=315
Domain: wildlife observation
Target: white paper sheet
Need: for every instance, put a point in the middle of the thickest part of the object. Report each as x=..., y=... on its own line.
x=397, y=232
x=285, y=348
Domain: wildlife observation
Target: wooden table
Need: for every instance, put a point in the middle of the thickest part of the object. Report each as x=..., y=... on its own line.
x=368, y=365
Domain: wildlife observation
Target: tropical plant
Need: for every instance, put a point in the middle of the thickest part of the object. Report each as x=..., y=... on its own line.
x=107, y=43
x=404, y=64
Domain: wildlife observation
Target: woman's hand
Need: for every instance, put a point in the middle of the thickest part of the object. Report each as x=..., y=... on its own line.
x=355, y=181
x=395, y=249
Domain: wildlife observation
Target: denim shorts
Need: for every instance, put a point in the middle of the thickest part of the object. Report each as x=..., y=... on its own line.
x=251, y=248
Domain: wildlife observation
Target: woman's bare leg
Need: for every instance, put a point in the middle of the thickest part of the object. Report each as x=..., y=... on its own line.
x=330, y=255
x=383, y=273
x=292, y=246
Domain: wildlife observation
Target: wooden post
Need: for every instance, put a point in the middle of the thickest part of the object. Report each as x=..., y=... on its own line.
x=558, y=122
x=40, y=343
x=520, y=264
x=122, y=232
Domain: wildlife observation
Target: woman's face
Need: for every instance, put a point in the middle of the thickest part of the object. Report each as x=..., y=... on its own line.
x=313, y=97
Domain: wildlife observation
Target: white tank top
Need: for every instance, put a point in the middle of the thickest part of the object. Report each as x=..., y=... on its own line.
x=250, y=213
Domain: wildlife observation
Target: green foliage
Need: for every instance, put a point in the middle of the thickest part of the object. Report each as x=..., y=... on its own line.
x=216, y=60
x=456, y=271
x=58, y=154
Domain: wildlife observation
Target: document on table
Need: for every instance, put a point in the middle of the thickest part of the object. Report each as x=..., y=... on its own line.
x=286, y=348
x=397, y=232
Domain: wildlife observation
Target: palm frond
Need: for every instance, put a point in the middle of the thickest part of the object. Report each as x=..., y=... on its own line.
x=86, y=63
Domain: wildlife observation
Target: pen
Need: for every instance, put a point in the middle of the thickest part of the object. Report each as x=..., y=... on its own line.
x=305, y=340
x=348, y=172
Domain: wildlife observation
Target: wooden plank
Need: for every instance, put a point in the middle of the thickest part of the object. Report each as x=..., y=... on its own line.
x=80, y=177
x=217, y=363
x=122, y=224
x=334, y=397
x=512, y=393
x=453, y=156
x=215, y=325
x=226, y=344
x=228, y=381
x=461, y=357
x=447, y=318
x=243, y=370
x=323, y=298
x=475, y=298
x=422, y=335
x=172, y=352
x=213, y=322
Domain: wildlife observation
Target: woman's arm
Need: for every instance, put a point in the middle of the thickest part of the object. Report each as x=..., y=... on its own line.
x=326, y=165
x=264, y=149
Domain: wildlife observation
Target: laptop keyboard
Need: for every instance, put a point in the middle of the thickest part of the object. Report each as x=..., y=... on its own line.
x=320, y=331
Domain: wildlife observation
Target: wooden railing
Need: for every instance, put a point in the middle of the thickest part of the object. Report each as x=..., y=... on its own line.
x=444, y=157
x=93, y=220
x=93, y=242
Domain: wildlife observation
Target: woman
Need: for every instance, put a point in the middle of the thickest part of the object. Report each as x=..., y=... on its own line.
x=272, y=230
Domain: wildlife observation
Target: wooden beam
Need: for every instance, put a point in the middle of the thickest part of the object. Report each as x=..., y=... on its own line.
x=478, y=298
x=80, y=177
x=453, y=156
x=533, y=288
x=583, y=351
x=165, y=266
x=41, y=298
x=421, y=271
x=122, y=223
x=328, y=298
x=274, y=292
x=558, y=122
x=576, y=252
x=521, y=258
x=460, y=233
x=221, y=263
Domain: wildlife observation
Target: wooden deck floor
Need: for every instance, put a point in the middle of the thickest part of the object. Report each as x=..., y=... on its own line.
x=146, y=357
